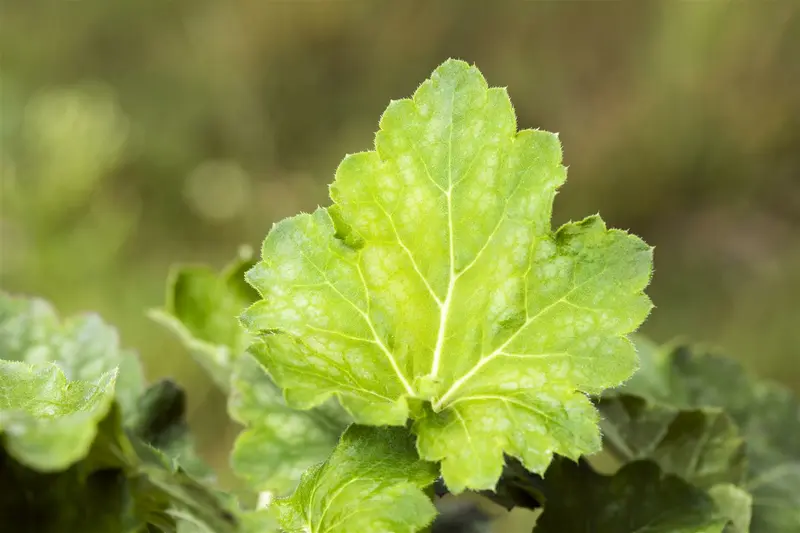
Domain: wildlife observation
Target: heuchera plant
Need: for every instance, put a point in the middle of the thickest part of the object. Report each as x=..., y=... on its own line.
x=428, y=333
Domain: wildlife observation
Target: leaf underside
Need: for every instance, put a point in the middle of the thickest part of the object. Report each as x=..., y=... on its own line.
x=435, y=288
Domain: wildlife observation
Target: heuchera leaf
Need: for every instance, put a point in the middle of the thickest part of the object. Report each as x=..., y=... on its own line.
x=768, y=417
x=703, y=446
x=201, y=308
x=639, y=498
x=83, y=346
x=435, y=288
x=47, y=422
x=280, y=443
x=372, y=483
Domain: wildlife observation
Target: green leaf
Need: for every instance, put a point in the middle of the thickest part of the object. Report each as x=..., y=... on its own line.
x=639, y=498
x=201, y=309
x=703, y=446
x=83, y=346
x=279, y=443
x=372, y=483
x=766, y=414
x=735, y=504
x=435, y=288
x=46, y=421
x=160, y=421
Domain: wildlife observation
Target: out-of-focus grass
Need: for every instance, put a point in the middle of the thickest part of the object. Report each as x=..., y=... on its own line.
x=135, y=134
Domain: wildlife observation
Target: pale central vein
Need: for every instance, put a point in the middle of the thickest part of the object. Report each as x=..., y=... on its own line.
x=444, y=310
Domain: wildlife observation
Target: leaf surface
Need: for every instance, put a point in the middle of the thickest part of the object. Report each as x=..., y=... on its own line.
x=639, y=498
x=46, y=421
x=372, y=483
x=279, y=443
x=83, y=346
x=768, y=417
x=435, y=288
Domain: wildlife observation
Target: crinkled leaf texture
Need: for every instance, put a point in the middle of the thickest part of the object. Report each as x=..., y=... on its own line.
x=435, y=288
x=372, y=483
x=639, y=498
x=768, y=417
x=279, y=442
x=83, y=346
x=47, y=422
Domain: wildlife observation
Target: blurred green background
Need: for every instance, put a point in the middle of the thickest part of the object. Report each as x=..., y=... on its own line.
x=139, y=133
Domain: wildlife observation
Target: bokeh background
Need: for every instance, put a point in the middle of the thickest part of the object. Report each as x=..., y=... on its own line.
x=139, y=133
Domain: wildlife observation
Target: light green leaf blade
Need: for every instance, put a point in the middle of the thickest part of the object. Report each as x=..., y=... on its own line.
x=372, y=483
x=735, y=504
x=768, y=417
x=640, y=498
x=279, y=443
x=46, y=421
x=201, y=309
x=435, y=287
x=83, y=346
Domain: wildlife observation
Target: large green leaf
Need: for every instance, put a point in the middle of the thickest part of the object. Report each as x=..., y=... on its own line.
x=768, y=417
x=280, y=443
x=83, y=346
x=201, y=309
x=435, y=288
x=47, y=422
x=640, y=498
x=372, y=483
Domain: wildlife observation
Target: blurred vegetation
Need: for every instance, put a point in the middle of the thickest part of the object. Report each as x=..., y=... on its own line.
x=139, y=133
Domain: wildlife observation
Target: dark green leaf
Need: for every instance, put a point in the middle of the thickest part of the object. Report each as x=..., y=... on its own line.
x=768, y=417
x=640, y=498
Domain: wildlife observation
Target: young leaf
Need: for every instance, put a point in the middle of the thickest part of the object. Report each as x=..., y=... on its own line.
x=766, y=414
x=83, y=346
x=639, y=498
x=435, y=288
x=47, y=422
x=201, y=309
x=279, y=443
x=373, y=482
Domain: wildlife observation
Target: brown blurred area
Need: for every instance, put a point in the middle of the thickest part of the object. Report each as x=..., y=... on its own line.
x=139, y=133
